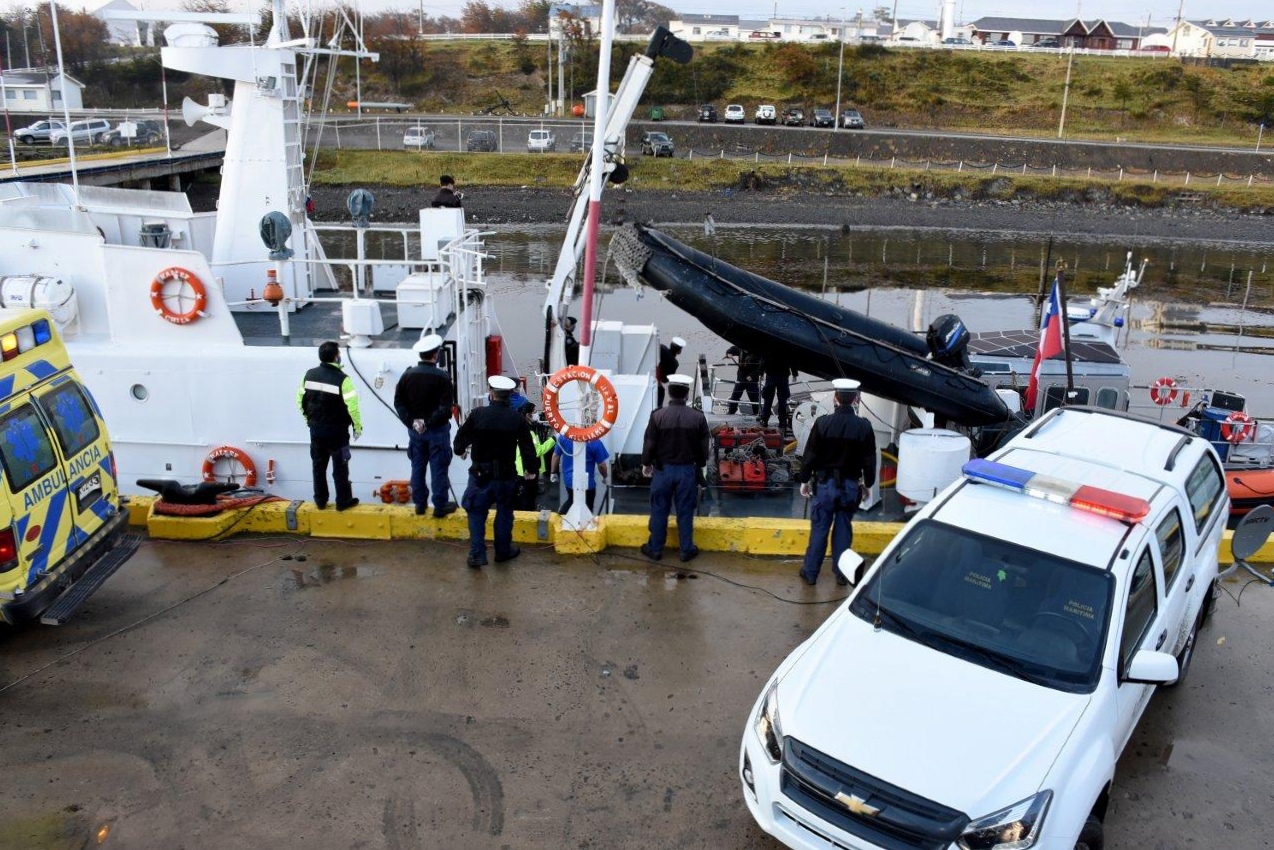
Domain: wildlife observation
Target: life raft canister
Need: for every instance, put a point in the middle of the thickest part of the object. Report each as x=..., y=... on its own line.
x=232, y=453
x=185, y=278
x=1237, y=427
x=610, y=403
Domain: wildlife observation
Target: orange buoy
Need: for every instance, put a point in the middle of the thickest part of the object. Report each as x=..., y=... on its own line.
x=239, y=456
x=184, y=278
x=596, y=380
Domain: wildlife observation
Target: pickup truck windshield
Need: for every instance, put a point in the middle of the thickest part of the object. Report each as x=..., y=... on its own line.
x=1003, y=606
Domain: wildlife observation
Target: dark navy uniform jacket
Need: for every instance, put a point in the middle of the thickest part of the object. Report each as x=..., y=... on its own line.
x=676, y=434
x=496, y=432
x=840, y=442
x=424, y=392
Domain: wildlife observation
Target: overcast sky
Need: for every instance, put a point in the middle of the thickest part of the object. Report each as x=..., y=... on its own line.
x=1160, y=12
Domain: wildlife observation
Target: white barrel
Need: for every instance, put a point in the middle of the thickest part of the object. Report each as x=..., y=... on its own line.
x=928, y=460
x=45, y=293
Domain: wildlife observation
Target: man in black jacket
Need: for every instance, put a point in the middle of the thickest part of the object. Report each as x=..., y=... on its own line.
x=840, y=461
x=776, y=392
x=570, y=343
x=746, y=379
x=329, y=404
x=423, y=400
x=495, y=433
x=674, y=451
x=667, y=364
x=447, y=195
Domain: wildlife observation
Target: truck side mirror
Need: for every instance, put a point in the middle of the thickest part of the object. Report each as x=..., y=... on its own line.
x=1149, y=667
x=849, y=563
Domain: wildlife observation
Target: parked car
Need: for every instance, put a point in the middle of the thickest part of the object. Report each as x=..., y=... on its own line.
x=823, y=118
x=656, y=144
x=793, y=116
x=1016, y=586
x=764, y=35
x=37, y=132
x=87, y=131
x=956, y=41
x=1005, y=44
x=144, y=132
x=480, y=140
x=420, y=138
x=852, y=119
x=766, y=114
x=734, y=114
x=541, y=141
x=581, y=141
x=1047, y=43
x=708, y=113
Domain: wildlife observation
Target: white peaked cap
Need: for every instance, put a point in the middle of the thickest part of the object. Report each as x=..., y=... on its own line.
x=845, y=385
x=683, y=380
x=679, y=342
x=426, y=344
x=501, y=383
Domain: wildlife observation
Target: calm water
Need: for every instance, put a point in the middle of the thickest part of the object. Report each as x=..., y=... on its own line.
x=1188, y=321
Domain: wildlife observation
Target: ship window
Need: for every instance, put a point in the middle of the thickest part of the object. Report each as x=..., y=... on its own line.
x=1108, y=397
x=25, y=448
x=1054, y=396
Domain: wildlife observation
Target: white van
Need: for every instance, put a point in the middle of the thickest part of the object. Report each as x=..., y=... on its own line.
x=86, y=132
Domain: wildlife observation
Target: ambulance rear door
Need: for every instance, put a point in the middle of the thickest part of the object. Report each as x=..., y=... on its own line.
x=37, y=493
x=85, y=447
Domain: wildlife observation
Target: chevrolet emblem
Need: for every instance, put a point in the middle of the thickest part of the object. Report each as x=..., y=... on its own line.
x=857, y=805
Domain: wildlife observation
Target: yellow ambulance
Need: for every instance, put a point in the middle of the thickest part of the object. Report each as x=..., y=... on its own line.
x=62, y=531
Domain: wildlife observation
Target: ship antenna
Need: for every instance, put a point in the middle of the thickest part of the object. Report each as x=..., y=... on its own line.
x=66, y=110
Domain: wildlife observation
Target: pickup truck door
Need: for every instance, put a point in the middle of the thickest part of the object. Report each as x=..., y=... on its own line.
x=1141, y=626
x=1179, y=579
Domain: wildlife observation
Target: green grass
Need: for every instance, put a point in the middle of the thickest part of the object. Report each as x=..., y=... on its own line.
x=402, y=168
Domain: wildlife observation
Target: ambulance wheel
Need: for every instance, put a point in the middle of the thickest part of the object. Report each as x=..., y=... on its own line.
x=1092, y=836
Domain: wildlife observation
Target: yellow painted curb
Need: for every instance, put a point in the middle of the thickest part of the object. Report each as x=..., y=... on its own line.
x=92, y=157
x=745, y=535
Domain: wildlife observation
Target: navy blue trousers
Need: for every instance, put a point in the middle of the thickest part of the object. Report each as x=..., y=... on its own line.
x=832, y=511
x=429, y=452
x=478, y=500
x=676, y=485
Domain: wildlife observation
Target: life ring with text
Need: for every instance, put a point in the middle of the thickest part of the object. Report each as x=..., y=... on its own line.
x=1237, y=427
x=239, y=456
x=1163, y=391
x=186, y=279
x=597, y=381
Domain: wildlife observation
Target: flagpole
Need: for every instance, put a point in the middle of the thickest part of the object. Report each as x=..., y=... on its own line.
x=1066, y=330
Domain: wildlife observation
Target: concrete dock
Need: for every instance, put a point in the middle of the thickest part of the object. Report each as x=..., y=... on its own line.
x=309, y=693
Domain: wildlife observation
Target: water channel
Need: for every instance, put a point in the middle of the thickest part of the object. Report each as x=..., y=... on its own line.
x=1204, y=314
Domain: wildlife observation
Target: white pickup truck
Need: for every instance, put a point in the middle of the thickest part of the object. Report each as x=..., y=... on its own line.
x=977, y=688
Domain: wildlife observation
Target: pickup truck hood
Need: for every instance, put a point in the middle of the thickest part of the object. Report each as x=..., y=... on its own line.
x=952, y=731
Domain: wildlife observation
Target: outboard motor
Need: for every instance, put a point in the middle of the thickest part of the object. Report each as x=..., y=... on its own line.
x=948, y=341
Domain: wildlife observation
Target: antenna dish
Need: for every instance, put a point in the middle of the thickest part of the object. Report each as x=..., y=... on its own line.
x=1252, y=532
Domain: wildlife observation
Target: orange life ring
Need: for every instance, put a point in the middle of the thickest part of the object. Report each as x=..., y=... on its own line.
x=238, y=455
x=185, y=278
x=596, y=380
x=1163, y=391
x=1237, y=427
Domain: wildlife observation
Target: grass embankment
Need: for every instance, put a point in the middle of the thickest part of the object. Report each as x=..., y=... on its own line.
x=1017, y=93
x=559, y=171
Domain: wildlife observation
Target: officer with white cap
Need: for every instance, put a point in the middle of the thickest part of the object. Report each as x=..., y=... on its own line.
x=423, y=400
x=838, y=465
x=495, y=433
x=668, y=364
x=674, y=451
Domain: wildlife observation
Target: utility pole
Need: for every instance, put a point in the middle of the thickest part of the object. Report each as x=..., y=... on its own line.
x=420, y=30
x=1066, y=92
x=1176, y=31
x=840, y=64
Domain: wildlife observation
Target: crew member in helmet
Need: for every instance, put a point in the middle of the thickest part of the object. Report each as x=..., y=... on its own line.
x=838, y=466
x=674, y=451
x=495, y=434
x=667, y=364
x=329, y=404
x=423, y=400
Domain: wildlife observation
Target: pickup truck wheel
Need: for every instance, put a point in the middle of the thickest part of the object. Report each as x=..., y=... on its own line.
x=1092, y=836
x=1186, y=655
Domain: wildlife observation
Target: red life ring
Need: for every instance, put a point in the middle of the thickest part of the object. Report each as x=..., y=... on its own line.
x=185, y=278
x=237, y=455
x=1163, y=391
x=1237, y=427
x=596, y=380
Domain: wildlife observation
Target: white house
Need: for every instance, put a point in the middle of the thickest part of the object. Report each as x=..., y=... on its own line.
x=131, y=33
x=1213, y=38
x=30, y=90
x=705, y=27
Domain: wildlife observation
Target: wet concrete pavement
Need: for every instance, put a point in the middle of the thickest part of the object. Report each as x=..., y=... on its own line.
x=384, y=696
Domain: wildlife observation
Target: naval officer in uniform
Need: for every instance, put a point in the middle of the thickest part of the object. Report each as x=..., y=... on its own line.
x=495, y=433
x=673, y=453
x=423, y=400
x=838, y=466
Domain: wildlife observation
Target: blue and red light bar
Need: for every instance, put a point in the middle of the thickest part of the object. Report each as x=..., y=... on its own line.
x=1058, y=490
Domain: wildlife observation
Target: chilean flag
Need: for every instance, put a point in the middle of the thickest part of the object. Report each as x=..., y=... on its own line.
x=1050, y=345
